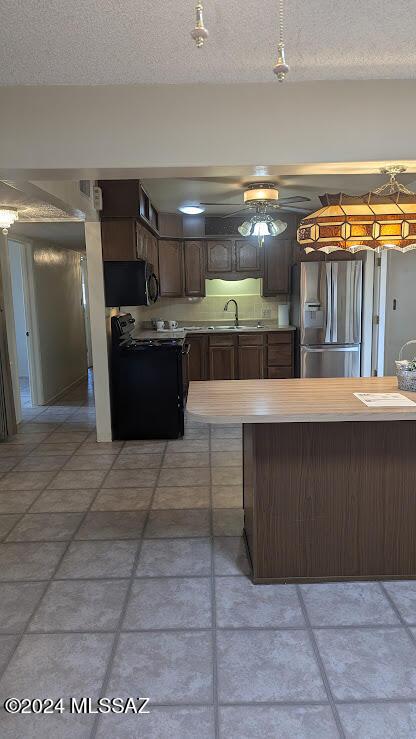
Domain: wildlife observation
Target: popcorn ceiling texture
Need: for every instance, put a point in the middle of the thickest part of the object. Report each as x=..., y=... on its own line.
x=102, y=42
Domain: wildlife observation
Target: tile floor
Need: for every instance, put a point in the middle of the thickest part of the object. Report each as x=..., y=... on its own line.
x=123, y=573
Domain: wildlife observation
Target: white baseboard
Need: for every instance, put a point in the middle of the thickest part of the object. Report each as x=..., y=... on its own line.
x=69, y=387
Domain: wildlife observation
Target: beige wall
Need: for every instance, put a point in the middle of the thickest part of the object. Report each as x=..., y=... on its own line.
x=61, y=330
x=83, y=129
x=400, y=324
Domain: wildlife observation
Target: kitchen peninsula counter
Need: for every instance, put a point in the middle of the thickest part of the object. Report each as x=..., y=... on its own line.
x=329, y=484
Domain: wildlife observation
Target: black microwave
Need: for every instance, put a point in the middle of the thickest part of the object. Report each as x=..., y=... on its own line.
x=130, y=283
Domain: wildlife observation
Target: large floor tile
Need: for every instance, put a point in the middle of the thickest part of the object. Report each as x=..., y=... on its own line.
x=227, y=521
x=138, y=461
x=277, y=722
x=242, y=604
x=17, y=603
x=226, y=432
x=60, y=437
x=41, y=462
x=141, y=447
x=77, y=605
x=227, y=459
x=71, y=479
x=369, y=663
x=16, y=501
x=167, y=667
x=89, y=559
x=186, y=459
x=123, y=499
x=7, y=522
x=188, y=445
x=29, y=561
x=25, y=480
x=181, y=557
x=104, y=448
x=267, y=666
x=7, y=463
x=63, y=501
x=227, y=475
x=191, y=496
x=186, y=476
x=403, y=593
x=230, y=557
x=91, y=462
x=57, y=665
x=131, y=478
x=227, y=496
x=173, y=722
x=64, y=448
x=112, y=525
x=49, y=726
x=169, y=603
x=45, y=527
x=378, y=720
x=347, y=604
x=172, y=524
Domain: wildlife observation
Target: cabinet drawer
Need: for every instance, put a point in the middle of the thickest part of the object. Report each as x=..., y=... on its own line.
x=281, y=337
x=222, y=340
x=280, y=356
x=251, y=339
x=279, y=373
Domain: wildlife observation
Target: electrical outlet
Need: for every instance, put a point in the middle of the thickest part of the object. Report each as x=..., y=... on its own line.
x=266, y=313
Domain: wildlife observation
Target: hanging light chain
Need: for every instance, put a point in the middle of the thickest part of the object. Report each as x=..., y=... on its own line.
x=281, y=69
x=199, y=33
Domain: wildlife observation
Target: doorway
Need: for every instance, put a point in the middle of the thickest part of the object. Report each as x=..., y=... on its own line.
x=22, y=367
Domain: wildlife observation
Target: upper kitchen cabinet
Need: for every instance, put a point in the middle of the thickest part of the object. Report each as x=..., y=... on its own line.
x=220, y=257
x=150, y=250
x=120, y=239
x=171, y=268
x=277, y=263
x=248, y=257
x=194, y=267
x=127, y=199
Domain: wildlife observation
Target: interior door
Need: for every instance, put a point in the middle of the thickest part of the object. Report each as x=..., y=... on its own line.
x=330, y=361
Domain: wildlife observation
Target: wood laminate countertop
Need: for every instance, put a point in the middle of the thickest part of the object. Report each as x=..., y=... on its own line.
x=293, y=401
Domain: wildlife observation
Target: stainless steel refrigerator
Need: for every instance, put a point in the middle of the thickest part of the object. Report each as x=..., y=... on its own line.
x=329, y=318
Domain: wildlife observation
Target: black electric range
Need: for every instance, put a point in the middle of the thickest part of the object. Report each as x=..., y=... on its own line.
x=149, y=383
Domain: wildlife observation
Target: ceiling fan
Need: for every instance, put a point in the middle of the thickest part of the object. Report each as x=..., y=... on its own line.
x=263, y=198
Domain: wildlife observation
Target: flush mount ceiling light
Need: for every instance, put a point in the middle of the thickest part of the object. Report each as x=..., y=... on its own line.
x=8, y=216
x=191, y=210
x=199, y=33
x=281, y=69
x=382, y=219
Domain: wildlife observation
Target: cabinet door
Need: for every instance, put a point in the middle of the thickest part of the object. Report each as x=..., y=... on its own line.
x=220, y=256
x=141, y=241
x=118, y=239
x=248, y=257
x=194, y=260
x=250, y=362
x=152, y=255
x=222, y=363
x=277, y=263
x=171, y=268
x=198, y=357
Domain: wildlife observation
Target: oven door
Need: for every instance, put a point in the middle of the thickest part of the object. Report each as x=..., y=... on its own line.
x=185, y=371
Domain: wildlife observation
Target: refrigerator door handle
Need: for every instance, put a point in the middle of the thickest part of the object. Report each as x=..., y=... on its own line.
x=334, y=303
x=328, y=277
x=357, y=302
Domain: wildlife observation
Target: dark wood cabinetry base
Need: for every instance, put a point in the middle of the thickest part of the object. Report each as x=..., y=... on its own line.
x=330, y=501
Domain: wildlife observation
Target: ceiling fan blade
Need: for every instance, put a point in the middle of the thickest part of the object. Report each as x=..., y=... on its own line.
x=292, y=209
x=235, y=213
x=226, y=205
x=294, y=199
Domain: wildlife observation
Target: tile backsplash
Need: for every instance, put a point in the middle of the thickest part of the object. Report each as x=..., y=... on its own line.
x=252, y=306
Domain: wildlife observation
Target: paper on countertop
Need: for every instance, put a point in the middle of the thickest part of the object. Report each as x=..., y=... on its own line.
x=383, y=400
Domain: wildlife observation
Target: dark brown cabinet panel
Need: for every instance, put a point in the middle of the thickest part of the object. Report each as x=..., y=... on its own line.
x=171, y=268
x=220, y=256
x=248, y=257
x=198, y=357
x=222, y=357
x=152, y=253
x=250, y=362
x=118, y=238
x=277, y=263
x=194, y=265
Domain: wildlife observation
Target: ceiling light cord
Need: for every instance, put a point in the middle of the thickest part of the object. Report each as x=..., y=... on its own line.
x=281, y=68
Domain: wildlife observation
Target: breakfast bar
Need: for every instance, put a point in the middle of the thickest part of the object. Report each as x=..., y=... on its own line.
x=329, y=483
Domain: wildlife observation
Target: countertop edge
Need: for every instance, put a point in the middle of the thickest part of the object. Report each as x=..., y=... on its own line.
x=321, y=418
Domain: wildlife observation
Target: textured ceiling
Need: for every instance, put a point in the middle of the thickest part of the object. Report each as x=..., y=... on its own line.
x=141, y=41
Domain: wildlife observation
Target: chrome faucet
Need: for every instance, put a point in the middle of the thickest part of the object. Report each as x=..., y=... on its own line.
x=236, y=310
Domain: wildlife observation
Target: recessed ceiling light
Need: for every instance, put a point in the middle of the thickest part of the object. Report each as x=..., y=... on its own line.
x=191, y=210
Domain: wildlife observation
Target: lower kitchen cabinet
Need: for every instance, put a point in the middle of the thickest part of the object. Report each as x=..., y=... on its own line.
x=251, y=356
x=222, y=357
x=198, y=357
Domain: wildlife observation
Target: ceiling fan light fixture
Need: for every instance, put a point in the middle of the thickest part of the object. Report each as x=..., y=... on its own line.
x=277, y=227
x=262, y=192
x=246, y=228
x=8, y=216
x=261, y=228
